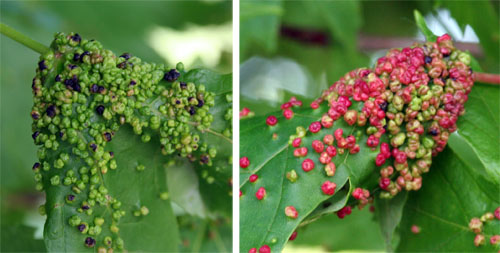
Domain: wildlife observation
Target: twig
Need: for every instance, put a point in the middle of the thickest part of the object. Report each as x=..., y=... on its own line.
x=365, y=42
x=487, y=78
x=23, y=39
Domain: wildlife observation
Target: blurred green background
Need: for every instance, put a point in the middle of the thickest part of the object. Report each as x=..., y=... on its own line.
x=199, y=33
x=299, y=48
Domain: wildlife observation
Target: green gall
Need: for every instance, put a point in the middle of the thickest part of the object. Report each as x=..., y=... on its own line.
x=55, y=180
x=292, y=176
x=74, y=221
x=144, y=211
x=164, y=195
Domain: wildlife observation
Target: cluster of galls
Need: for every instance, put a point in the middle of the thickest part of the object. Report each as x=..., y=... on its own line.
x=82, y=95
x=476, y=225
x=413, y=98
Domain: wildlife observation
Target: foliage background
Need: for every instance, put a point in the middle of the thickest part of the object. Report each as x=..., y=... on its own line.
x=276, y=64
x=127, y=26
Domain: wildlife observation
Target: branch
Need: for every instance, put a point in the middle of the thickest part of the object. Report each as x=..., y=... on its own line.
x=487, y=78
x=322, y=39
x=23, y=39
x=365, y=42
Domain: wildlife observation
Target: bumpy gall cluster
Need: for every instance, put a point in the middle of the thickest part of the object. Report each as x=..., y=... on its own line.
x=82, y=95
x=413, y=97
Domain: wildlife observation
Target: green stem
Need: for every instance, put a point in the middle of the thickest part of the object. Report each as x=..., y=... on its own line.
x=23, y=39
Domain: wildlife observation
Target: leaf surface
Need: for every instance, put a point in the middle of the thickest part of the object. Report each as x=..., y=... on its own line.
x=263, y=222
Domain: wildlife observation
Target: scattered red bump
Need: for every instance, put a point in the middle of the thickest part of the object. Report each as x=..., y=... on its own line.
x=497, y=213
x=328, y=139
x=346, y=210
x=443, y=37
x=288, y=114
x=261, y=193
x=479, y=240
x=252, y=250
x=355, y=149
x=291, y=212
x=293, y=236
x=476, y=225
x=415, y=229
x=372, y=209
x=324, y=158
x=244, y=112
x=380, y=159
x=495, y=239
x=338, y=134
x=318, y=146
x=328, y=187
x=315, y=127
x=372, y=141
x=286, y=105
x=265, y=249
x=384, y=183
x=315, y=105
x=385, y=150
x=300, y=152
x=326, y=121
x=307, y=165
x=351, y=116
x=331, y=151
x=358, y=193
x=296, y=142
x=253, y=178
x=244, y=162
x=241, y=193
x=271, y=120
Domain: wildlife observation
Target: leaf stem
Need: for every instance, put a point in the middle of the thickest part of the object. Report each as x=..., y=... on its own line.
x=23, y=39
x=487, y=78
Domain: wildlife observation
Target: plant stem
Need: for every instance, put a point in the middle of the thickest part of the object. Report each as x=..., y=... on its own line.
x=23, y=39
x=487, y=78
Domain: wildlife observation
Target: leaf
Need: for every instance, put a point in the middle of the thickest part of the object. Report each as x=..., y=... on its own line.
x=215, y=180
x=137, y=181
x=442, y=209
x=134, y=189
x=389, y=212
x=259, y=23
x=479, y=127
x=483, y=18
x=199, y=235
x=263, y=222
x=419, y=19
x=19, y=238
x=356, y=232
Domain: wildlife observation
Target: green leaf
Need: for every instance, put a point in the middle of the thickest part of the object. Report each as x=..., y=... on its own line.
x=145, y=219
x=483, y=18
x=419, y=19
x=263, y=222
x=214, y=181
x=134, y=189
x=19, y=238
x=356, y=232
x=443, y=208
x=479, y=127
x=201, y=235
x=259, y=23
x=389, y=212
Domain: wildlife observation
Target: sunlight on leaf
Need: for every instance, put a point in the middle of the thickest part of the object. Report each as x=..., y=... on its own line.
x=206, y=43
